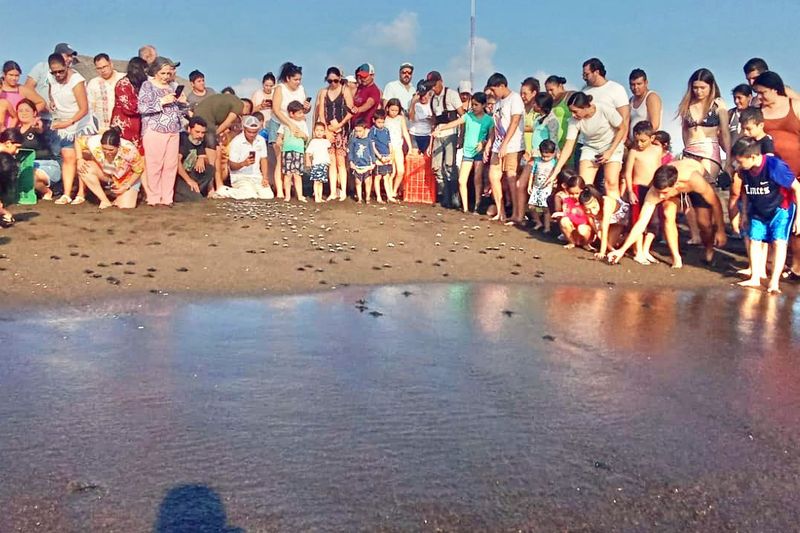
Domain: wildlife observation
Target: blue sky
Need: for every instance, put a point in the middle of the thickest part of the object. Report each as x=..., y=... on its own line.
x=236, y=42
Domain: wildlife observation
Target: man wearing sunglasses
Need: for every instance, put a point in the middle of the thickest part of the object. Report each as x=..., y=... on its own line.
x=401, y=88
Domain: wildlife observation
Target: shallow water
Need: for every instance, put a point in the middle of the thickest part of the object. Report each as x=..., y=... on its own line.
x=582, y=408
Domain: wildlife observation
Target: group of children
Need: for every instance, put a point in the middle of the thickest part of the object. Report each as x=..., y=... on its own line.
x=375, y=154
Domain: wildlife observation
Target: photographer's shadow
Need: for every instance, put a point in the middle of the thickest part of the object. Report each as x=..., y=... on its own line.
x=192, y=509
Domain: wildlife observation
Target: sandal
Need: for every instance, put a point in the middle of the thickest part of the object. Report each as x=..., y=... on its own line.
x=48, y=195
x=7, y=220
x=78, y=200
x=64, y=200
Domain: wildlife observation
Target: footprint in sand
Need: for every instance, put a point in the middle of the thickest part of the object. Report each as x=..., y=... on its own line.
x=182, y=269
x=152, y=269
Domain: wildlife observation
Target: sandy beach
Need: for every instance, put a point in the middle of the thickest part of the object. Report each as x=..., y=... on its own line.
x=58, y=254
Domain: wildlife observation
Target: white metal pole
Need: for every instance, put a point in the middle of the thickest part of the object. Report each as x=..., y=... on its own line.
x=472, y=47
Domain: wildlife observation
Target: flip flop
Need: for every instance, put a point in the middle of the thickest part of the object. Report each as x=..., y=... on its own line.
x=78, y=200
x=64, y=200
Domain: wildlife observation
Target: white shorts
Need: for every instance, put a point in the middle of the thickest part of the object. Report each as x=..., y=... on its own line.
x=589, y=154
x=246, y=188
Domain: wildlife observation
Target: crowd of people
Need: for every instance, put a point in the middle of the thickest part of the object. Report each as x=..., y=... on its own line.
x=595, y=163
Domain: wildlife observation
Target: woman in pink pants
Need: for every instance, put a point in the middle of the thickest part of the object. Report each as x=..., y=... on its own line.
x=161, y=111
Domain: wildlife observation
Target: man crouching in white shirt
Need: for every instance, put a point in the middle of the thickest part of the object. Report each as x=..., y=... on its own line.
x=248, y=164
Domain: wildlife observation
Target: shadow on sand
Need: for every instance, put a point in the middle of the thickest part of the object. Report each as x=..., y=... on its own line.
x=192, y=509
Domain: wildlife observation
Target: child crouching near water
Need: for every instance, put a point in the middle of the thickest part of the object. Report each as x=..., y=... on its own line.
x=769, y=211
x=540, y=185
x=608, y=216
x=318, y=159
x=293, y=146
x=569, y=212
x=362, y=159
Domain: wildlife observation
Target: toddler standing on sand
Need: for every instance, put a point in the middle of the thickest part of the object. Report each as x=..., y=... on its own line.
x=362, y=159
x=381, y=142
x=540, y=184
x=318, y=159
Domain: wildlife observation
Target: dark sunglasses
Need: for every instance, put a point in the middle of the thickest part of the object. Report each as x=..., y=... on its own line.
x=409, y=72
x=337, y=80
x=56, y=72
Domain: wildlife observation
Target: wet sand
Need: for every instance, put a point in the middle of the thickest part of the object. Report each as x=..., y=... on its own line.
x=70, y=254
x=434, y=408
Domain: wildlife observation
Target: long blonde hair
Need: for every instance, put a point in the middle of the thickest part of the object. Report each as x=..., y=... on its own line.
x=704, y=75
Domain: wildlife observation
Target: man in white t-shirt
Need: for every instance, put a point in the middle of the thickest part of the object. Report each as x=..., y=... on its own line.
x=507, y=146
x=401, y=88
x=607, y=91
x=100, y=91
x=446, y=107
x=248, y=162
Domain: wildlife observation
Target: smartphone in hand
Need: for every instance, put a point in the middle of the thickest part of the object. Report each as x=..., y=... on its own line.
x=179, y=90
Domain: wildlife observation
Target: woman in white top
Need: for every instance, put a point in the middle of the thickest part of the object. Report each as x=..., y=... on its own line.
x=289, y=89
x=70, y=107
x=645, y=104
x=600, y=125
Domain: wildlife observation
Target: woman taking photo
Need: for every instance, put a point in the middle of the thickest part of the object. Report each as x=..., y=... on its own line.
x=333, y=110
x=161, y=112
x=110, y=165
x=289, y=89
x=125, y=115
x=70, y=107
x=603, y=141
x=262, y=98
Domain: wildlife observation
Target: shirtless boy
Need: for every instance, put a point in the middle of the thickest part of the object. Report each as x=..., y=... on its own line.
x=643, y=160
x=670, y=182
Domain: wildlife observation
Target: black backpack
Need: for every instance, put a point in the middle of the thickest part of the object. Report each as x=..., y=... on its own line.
x=446, y=116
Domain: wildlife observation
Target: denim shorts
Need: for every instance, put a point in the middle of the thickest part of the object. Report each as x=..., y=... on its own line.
x=49, y=167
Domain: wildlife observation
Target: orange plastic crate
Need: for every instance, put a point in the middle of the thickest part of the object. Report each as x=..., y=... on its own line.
x=419, y=182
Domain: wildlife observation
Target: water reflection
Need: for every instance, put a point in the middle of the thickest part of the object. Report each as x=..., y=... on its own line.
x=466, y=406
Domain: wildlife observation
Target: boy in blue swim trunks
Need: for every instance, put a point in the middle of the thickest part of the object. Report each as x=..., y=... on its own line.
x=770, y=205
